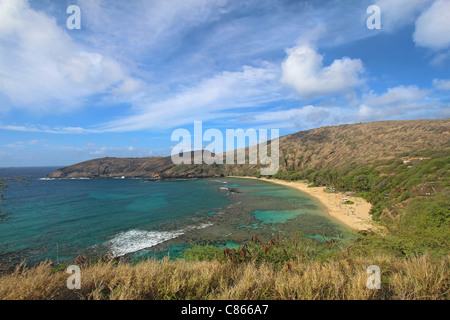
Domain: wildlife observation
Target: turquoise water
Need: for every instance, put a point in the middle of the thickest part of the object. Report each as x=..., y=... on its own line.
x=59, y=219
x=273, y=216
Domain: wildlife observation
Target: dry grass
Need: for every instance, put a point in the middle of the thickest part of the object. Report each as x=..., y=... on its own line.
x=415, y=278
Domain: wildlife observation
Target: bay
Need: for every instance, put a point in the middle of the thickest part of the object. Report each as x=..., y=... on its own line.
x=62, y=218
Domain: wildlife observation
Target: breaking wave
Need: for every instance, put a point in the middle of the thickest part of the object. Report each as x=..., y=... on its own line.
x=135, y=240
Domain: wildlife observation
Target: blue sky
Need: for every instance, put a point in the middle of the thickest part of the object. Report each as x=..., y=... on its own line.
x=138, y=70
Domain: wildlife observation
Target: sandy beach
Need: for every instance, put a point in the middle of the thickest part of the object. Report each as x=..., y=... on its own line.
x=356, y=216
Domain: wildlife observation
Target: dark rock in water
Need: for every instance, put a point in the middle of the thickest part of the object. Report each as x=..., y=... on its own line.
x=12, y=259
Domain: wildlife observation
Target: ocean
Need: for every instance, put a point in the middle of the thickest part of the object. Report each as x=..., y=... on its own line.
x=58, y=219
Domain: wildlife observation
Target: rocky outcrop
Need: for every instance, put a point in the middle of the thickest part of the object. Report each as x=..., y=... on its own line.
x=155, y=168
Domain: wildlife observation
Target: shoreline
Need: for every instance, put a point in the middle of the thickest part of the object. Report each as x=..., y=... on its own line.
x=355, y=216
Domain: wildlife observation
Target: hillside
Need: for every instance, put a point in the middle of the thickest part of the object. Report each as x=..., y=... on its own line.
x=337, y=146
x=362, y=143
x=157, y=168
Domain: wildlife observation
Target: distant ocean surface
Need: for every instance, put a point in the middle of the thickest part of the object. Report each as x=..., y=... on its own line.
x=60, y=219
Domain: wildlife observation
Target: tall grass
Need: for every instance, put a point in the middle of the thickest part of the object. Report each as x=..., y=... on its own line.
x=341, y=277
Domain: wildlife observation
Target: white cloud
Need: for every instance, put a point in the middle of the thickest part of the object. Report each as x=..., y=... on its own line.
x=24, y=144
x=433, y=26
x=440, y=59
x=402, y=102
x=303, y=71
x=249, y=88
x=41, y=66
x=366, y=112
x=47, y=129
x=187, y=46
x=400, y=94
x=227, y=90
x=162, y=24
x=298, y=118
x=399, y=112
x=128, y=87
x=441, y=84
x=397, y=13
x=98, y=150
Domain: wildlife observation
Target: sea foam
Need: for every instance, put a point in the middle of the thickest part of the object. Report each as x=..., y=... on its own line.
x=136, y=240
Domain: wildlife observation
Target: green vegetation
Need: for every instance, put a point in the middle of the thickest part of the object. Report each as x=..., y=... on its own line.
x=410, y=197
x=384, y=183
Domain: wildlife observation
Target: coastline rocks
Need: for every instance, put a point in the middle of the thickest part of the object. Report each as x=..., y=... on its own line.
x=151, y=168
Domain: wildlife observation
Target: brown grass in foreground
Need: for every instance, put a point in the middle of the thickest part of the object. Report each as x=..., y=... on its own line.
x=413, y=278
